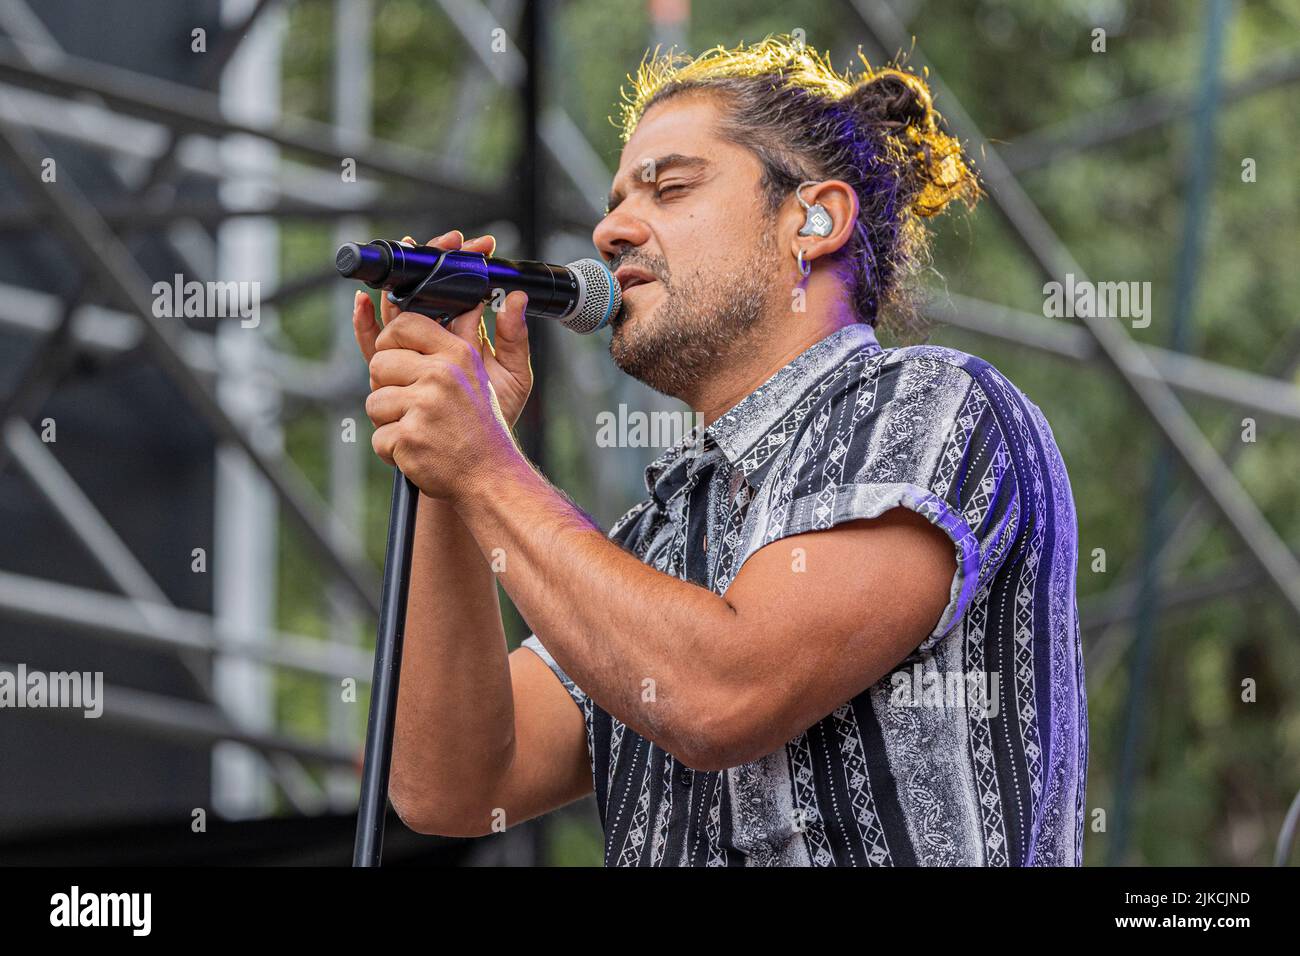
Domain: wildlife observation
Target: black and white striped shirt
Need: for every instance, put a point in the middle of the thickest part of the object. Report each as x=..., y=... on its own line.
x=973, y=751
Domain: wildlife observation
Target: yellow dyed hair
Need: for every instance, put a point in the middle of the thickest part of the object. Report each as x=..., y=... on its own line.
x=876, y=129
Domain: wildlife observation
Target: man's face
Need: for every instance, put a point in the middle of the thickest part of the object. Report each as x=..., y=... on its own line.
x=688, y=227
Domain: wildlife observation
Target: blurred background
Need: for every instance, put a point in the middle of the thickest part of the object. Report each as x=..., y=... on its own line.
x=189, y=502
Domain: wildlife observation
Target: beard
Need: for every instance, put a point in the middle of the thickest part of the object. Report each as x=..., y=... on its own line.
x=697, y=323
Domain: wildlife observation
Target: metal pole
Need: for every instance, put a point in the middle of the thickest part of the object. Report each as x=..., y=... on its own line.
x=1189, y=254
x=1268, y=393
x=1286, y=838
x=369, y=846
x=353, y=68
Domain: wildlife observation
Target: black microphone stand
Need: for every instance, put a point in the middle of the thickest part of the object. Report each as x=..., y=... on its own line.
x=373, y=807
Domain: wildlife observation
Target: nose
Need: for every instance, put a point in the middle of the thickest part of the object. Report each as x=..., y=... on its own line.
x=618, y=231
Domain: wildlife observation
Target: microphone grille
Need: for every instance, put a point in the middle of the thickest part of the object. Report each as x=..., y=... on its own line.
x=599, y=297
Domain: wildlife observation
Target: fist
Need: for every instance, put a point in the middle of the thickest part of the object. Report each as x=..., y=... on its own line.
x=506, y=362
x=434, y=408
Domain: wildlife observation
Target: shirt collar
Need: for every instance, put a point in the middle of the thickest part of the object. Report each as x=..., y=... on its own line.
x=752, y=420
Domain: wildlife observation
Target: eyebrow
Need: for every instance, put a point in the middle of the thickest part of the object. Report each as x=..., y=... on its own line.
x=671, y=161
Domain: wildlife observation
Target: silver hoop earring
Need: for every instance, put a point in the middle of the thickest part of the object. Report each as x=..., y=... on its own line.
x=805, y=268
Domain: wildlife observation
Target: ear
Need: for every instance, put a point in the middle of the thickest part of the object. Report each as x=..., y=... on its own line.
x=837, y=198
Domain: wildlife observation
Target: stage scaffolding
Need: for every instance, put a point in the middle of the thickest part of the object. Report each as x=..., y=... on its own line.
x=48, y=95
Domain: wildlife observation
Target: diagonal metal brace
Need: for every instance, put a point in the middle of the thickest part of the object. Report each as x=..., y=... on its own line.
x=1126, y=356
x=75, y=220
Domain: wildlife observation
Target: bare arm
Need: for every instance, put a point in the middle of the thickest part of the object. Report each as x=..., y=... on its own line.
x=475, y=731
x=734, y=677
x=480, y=739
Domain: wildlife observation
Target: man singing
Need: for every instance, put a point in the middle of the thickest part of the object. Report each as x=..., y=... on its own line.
x=841, y=628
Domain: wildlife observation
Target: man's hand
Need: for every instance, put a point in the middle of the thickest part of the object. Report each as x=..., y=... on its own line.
x=435, y=412
x=443, y=400
x=507, y=363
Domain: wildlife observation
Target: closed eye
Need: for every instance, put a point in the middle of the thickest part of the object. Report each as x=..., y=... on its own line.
x=659, y=194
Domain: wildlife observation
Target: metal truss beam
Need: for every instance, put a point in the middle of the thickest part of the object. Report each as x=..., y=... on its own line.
x=145, y=141
x=1118, y=604
x=171, y=718
x=140, y=623
x=1125, y=356
x=1122, y=120
x=102, y=331
x=186, y=108
x=560, y=135
x=109, y=262
x=1261, y=394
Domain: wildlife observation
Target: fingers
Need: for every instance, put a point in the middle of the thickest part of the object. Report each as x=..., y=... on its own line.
x=467, y=326
x=396, y=367
x=364, y=326
x=455, y=239
x=484, y=244
x=419, y=333
x=386, y=404
x=384, y=441
x=512, y=337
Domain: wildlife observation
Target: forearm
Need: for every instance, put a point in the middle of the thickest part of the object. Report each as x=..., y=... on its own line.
x=613, y=623
x=454, y=729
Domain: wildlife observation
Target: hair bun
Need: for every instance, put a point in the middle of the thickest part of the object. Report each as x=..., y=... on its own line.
x=895, y=100
x=933, y=167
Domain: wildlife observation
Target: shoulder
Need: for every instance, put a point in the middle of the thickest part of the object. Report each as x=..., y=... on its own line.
x=922, y=415
x=938, y=367
x=900, y=372
x=919, y=390
x=934, y=386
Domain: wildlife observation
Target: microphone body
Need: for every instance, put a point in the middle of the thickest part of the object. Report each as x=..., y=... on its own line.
x=442, y=283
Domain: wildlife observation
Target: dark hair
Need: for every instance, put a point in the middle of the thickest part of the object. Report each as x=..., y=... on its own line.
x=877, y=131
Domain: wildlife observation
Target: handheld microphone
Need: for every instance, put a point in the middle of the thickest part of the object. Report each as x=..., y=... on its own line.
x=441, y=283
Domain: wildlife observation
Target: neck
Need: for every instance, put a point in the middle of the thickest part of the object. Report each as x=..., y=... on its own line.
x=772, y=346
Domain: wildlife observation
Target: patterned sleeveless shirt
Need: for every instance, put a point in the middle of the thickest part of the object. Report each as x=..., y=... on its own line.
x=973, y=750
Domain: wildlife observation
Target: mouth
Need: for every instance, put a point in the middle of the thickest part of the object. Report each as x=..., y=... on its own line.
x=631, y=302
x=630, y=278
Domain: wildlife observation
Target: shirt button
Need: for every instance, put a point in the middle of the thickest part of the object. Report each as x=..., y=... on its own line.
x=685, y=777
